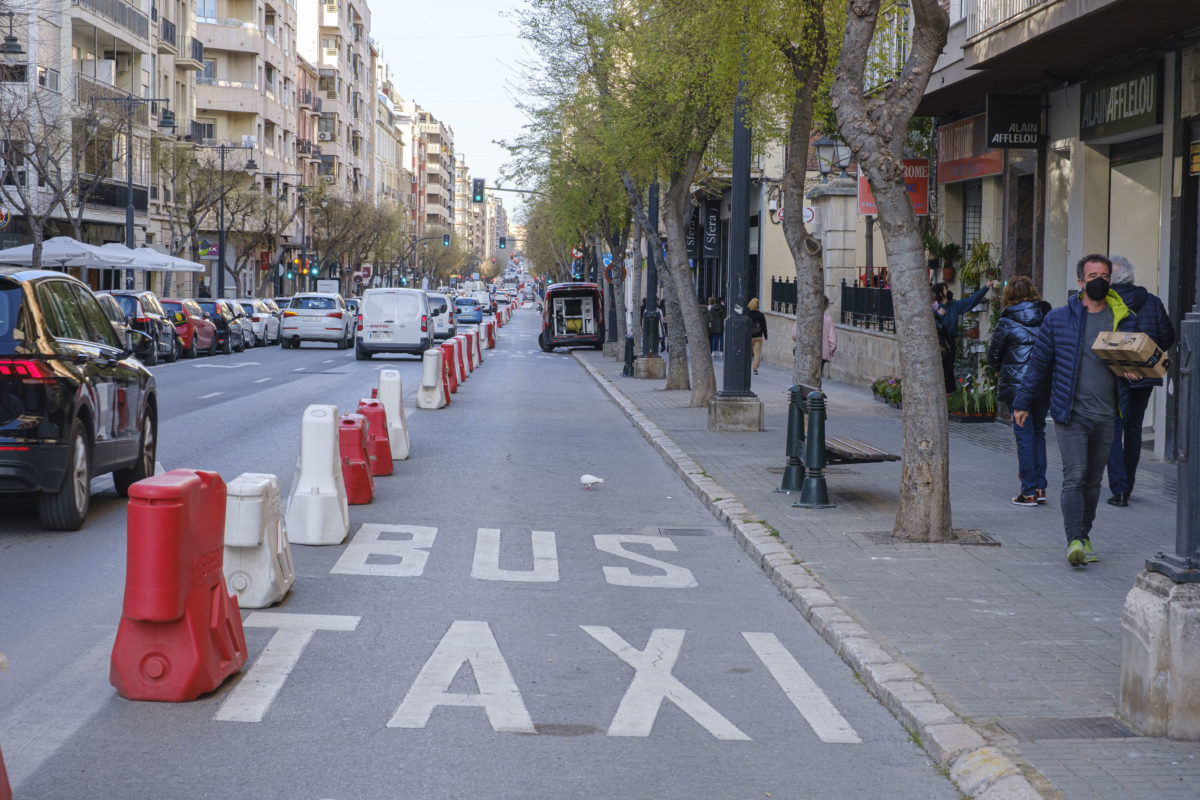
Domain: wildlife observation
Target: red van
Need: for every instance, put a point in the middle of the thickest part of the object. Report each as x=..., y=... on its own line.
x=572, y=316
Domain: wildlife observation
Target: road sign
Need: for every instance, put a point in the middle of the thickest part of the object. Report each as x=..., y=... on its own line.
x=576, y=253
x=264, y=260
x=5, y=217
x=607, y=259
x=614, y=274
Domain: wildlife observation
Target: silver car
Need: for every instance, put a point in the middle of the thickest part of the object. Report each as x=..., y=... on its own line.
x=444, y=325
x=265, y=324
x=317, y=317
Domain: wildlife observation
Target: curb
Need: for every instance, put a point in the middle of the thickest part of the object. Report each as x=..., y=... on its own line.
x=976, y=768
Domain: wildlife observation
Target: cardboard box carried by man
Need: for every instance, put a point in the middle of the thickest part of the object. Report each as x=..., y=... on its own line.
x=1131, y=353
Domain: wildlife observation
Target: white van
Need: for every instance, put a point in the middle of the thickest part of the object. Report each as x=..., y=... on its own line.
x=393, y=321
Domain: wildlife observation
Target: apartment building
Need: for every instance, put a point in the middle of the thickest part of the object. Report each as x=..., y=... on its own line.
x=334, y=36
x=1066, y=128
x=465, y=210
x=389, y=145
x=439, y=172
x=414, y=141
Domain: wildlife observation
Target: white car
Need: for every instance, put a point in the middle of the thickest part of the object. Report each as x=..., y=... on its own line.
x=485, y=301
x=394, y=320
x=264, y=322
x=444, y=324
x=317, y=317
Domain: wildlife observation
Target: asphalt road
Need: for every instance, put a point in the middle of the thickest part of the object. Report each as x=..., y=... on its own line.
x=491, y=629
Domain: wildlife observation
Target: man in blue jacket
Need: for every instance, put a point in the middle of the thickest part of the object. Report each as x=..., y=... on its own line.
x=1085, y=395
x=1152, y=320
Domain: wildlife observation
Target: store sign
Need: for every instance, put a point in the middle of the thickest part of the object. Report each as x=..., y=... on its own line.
x=1014, y=120
x=712, y=227
x=916, y=182
x=1126, y=101
x=264, y=260
x=691, y=233
x=1193, y=158
x=963, y=153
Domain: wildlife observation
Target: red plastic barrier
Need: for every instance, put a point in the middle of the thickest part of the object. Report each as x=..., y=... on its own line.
x=356, y=468
x=491, y=336
x=180, y=634
x=448, y=365
x=379, y=448
x=499, y=318
x=5, y=789
x=448, y=374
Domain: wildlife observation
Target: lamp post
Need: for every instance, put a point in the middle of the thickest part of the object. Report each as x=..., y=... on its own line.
x=11, y=48
x=281, y=195
x=250, y=167
x=131, y=103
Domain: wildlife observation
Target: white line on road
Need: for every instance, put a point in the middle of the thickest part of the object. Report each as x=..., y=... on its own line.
x=253, y=695
x=298, y=369
x=228, y=366
x=806, y=696
x=263, y=380
x=327, y=361
x=210, y=394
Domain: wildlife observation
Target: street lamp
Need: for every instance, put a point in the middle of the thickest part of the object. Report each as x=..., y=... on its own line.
x=11, y=49
x=250, y=167
x=281, y=195
x=166, y=122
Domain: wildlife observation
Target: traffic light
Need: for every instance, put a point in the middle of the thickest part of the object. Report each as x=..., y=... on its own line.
x=477, y=190
x=291, y=272
x=503, y=242
x=445, y=240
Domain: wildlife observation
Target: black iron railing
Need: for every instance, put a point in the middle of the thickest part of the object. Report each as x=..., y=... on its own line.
x=783, y=295
x=166, y=31
x=868, y=307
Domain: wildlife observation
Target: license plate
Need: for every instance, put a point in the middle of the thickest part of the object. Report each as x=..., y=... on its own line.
x=378, y=335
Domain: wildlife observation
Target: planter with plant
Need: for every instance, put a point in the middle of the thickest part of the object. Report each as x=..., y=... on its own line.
x=977, y=265
x=972, y=401
x=887, y=390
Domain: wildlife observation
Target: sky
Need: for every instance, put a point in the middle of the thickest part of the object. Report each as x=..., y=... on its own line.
x=458, y=59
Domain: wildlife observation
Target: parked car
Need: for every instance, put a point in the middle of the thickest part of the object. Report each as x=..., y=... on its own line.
x=243, y=319
x=196, y=331
x=573, y=316
x=394, y=321
x=266, y=326
x=467, y=309
x=352, y=304
x=231, y=334
x=146, y=314
x=317, y=317
x=115, y=315
x=73, y=403
x=444, y=324
x=486, y=304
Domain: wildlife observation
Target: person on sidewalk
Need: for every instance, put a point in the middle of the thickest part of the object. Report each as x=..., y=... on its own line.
x=758, y=332
x=1008, y=355
x=716, y=325
x=1152, y=320
x=1085, y=395
x=948, y=312
x=828, y=334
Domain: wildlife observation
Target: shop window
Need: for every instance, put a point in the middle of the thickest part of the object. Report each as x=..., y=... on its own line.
x=972, y=192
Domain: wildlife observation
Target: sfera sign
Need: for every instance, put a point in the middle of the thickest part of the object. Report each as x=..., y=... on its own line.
x=1122, y=102
x=1014, y=120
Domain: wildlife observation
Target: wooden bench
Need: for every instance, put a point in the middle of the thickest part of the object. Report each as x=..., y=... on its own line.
x=842, y=449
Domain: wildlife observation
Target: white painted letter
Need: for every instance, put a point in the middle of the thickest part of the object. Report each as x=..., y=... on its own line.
x=653, y=681
x=473, y=643
x=675, y=577
x=806, y=696
x=412, y=553
x=253, y=695
x=487, y=558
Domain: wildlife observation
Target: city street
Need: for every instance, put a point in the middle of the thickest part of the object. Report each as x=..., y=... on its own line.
x=490, y=629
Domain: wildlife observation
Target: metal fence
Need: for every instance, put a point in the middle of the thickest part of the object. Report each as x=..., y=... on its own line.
x=783, y=295
x=867, y=307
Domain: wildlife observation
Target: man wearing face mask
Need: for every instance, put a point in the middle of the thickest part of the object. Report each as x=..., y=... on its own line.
x=1086, y=397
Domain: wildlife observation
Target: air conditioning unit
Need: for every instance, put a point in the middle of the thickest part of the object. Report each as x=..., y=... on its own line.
x=324, y=136
x=329, y=178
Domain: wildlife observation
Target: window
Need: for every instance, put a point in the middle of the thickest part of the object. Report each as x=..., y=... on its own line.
x=210, y=69
x=206, y=9
x=60, y=308
x=972, y=212
x=99, y=328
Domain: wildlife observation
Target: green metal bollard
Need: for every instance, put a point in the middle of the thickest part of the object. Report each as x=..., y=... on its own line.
x=814, y=493
x=793, y=473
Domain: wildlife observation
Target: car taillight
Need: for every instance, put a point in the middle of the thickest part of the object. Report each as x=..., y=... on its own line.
x=28, y=370
x=142, y=320
x=334, y=314
x=424, y=323
x=358, y=321
x=291, y=313
x=255, y=319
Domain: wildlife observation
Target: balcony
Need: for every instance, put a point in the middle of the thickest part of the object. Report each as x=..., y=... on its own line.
x=166, y=36
x=192, y=57
x=305, y=98
x=121, y=14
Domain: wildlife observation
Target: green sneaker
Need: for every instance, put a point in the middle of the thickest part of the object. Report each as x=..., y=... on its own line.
x=1075, y=554
x=1089, y=555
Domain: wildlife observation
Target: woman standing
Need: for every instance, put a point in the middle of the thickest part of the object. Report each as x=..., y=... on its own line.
x=1008, y=355
x=758, y=331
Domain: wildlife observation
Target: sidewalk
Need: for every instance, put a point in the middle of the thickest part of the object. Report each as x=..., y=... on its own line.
x=1021, y=647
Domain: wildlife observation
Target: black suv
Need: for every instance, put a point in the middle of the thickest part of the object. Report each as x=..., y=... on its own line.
x=73, y=404
x=146, y=314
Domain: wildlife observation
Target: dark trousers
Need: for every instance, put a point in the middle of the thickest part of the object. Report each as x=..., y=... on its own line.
x=948, y=370
x=717, y=340
x=1031, y=447
x=1084, y=446
x=1126, y=448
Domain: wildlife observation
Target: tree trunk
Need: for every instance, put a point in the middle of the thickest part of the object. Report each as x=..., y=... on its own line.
x=617, y=240
x=677, y=203
x=876, y=129
x=635, y=275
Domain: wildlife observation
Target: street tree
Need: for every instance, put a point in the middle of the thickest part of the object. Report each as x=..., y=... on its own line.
x=873, y=116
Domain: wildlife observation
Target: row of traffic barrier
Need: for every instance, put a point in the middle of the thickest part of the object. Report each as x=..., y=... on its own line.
x=192, y=538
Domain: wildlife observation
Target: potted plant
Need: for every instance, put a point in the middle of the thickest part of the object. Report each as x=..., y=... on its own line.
x=978, y=264
x=951, y=253
x=972, y=401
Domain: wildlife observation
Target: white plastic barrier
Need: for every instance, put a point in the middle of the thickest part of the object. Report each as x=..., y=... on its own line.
x=431, y=394
x=479, y=347
x=258, y=560
x=460, y=368
x=391, y=395
x=317, y=511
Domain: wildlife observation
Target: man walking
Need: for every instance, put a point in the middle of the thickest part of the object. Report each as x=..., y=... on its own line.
x=1085, y=396
x=1152, y=320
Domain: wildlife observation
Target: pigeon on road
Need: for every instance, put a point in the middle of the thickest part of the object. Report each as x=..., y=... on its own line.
x=589, y=481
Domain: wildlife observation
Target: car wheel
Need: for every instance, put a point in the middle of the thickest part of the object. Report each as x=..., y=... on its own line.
x=228, y=347
x=66, y=509
x=173, y=356
x=191, y=351
x=241, y=345
x=360, y=354
x=147, y=452
x=542, y=343
x=212, y=344
x=152, y=357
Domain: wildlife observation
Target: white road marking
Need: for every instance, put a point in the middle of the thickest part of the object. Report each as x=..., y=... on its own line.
x=466, y=642
x=34, y=730
x=412, y=552
x=210, y=395
x=486, y=565
x=298, y=369
x=263, y=380
x=816, y=708
x=327, y=361
x=252, y=697
x=675, y=578
x=653, y=682
x=228, y=366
